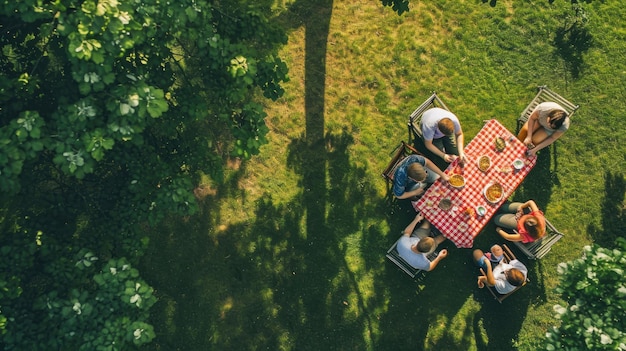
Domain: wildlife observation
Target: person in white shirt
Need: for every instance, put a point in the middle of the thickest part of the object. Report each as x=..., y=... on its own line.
x=442, y=134
x=415, y=245
x=505, y=277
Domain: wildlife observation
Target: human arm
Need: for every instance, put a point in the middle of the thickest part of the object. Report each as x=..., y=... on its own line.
x=410, y=194
x=431, y=165
x=529, y=204
x=460, y=140
x=546, y=142
x=487, y=277
x=532, y=119
x=442, y=254
x=507, y=236
x=411, y=227
x=432, y=148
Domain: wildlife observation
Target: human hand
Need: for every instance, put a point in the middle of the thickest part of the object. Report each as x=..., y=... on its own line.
x=481, y=284
x=531, y=153
x=528, y=142
x=445, y=178
x=419, y=217
x=449, y=158
x=443, y=253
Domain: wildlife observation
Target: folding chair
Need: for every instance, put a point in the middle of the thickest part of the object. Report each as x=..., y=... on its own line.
x=399, y=154
x=544, y=95
x=508, y=257
x=541, y=247
x=415, y=118
x=394, y=256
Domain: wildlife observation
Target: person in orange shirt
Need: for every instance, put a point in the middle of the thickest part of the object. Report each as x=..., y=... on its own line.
x=525, y=219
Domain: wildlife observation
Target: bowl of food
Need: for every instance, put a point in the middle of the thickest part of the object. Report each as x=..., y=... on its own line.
x=484, y=163
x=481, y=210
x=500, y=144
x=494, y=192
x=445, y=204
x=457, y=181
x=518, y=164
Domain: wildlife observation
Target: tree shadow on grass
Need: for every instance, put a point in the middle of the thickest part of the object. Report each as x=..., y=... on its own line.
x=571, y=43
x=613, y=209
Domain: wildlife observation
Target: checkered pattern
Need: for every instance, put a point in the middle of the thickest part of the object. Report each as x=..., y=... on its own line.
x=453, y=223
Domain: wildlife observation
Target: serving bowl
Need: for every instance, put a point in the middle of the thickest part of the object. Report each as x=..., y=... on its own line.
x=457, y=181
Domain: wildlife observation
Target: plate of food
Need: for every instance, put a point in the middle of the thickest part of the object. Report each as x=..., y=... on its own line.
x=445, y=204
x=518, y=164
x=500, y=144
x=457, y=181
x=484, y=163
x=494, y=192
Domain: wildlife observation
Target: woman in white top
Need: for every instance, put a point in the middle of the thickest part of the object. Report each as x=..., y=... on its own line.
x=546, y=124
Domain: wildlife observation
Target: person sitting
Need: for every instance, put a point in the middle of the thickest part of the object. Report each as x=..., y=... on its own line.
x=414, y=175
x=545, y=125
x=415, y=245
x=438, y=128
x=505, y=277
x=530, y=226
x=495, y=255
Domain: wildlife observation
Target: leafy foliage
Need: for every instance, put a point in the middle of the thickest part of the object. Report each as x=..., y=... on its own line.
x=595, y=292
x=111, y=112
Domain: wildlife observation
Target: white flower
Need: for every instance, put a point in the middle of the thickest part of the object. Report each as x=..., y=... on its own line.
x=91, y=77
x=125, y=267
x=559, y=309
x=124, y=17
x=126, y=109
x=113, y=270
x=605, y=339
x=136, y=299
x=137, y=333
x=77, y=307
x=133, y=100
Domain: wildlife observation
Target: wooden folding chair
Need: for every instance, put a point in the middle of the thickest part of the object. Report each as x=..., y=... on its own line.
x=545, y=95
x=508, y=257
x=399, y=154
x=415, y=118
x=541, y=247
x=394, y=257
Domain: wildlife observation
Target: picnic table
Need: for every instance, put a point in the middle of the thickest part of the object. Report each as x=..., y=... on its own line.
x=454, y=223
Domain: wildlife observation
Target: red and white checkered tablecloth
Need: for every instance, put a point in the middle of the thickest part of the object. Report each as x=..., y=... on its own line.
x=453, y=223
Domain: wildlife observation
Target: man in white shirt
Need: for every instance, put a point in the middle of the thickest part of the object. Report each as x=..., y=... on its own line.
x=415, y=245
x=442, y=134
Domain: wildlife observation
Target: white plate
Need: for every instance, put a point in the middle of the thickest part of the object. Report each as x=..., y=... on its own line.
x=518, y=164
x=485, y=193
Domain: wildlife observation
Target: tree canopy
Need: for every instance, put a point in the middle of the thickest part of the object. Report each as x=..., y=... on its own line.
x=110, y=112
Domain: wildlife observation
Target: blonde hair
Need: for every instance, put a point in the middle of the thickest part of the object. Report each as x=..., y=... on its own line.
x=446, y=126
x=416, y=171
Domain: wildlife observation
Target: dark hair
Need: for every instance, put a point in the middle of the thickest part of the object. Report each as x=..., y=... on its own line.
x=514, y=276
x=557, y=117
x=531, y=224
x=446, y=126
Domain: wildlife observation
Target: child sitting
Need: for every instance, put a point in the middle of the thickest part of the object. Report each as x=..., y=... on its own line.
x=496, y=254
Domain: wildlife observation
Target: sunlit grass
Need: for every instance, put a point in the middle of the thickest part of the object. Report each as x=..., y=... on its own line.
x=281, y=260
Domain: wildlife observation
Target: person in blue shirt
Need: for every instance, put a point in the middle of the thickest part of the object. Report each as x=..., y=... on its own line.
x=414, y=174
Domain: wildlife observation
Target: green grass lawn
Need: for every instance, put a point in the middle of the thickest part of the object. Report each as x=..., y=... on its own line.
x=288, y=253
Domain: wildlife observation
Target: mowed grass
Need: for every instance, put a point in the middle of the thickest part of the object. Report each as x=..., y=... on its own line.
x=288, y=253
